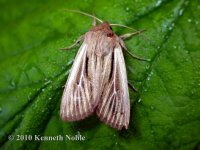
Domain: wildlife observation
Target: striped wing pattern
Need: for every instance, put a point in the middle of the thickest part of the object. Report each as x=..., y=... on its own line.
x=77, y=101
x=114, y=107
x=97, y=83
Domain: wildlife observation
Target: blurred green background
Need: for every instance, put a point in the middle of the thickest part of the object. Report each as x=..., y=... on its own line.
x=165, y=113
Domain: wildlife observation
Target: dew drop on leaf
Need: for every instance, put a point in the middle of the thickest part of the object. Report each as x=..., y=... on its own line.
x=174, y=46
x=127, y=8
x=147, y=66
x=189, y=20
x=13, y=84
x=145, y=89
x=158, y=47
x=70, y=62
x=180, y=12
x=158, y=3
x=170, y=28
x=148, y=78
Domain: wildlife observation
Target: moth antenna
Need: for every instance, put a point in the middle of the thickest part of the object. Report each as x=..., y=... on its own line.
x=83, y=13
x=121, y=25
x=94, y=21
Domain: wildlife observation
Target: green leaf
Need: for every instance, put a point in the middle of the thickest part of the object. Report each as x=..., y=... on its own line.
x=165, y=112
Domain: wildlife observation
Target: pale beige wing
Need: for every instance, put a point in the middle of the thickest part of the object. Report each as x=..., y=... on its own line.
x=114, y=106
x=78, y=100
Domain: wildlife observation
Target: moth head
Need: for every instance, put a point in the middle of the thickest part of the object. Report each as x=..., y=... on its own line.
x=105, y=28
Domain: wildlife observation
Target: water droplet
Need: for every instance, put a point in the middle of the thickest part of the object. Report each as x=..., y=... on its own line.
x=70, y=62
x=158, y=47
x=174, y=46
x=43, y=90
x=139, y=100
x=47, y=82
x=158, y=3
x=170, y=28
x=181, y=12
x=148, y=78
x=196, y=22
x=152, y=107
x=147, y=67
x=149, y=59
x=13, y=83
x=127, y=8
x=50, y=98
x=189, y=20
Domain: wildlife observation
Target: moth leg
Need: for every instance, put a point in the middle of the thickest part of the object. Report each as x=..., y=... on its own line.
x=136, y=57
x=132, y=55
x=132, y=87
x=129, y=35
x=73, y=45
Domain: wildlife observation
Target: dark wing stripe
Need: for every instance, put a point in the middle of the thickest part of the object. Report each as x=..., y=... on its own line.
x=110, y=113
x=88, y=97
x=74, y=104
x=84, y=103
x=114, y=117
x=104, y=102
x=106, y=106
x=79, y=99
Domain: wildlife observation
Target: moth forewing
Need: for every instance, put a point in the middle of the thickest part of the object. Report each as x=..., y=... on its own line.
x=123, y=88
x=114, y=108
x=76, y=104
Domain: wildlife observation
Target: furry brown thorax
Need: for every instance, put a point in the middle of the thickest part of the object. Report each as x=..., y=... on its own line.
x=104, y=27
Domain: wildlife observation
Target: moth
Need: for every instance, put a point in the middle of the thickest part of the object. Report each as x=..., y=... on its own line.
x=98, y=82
